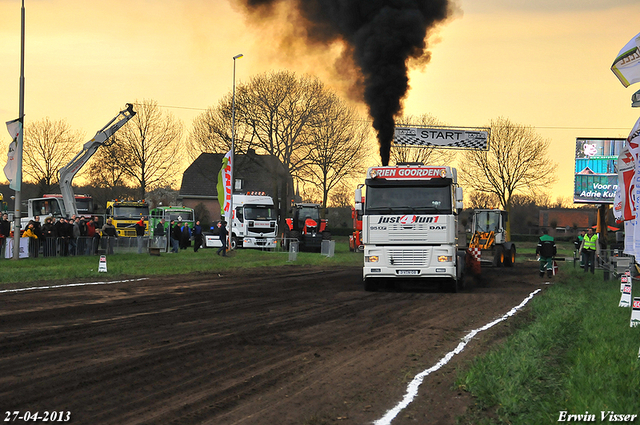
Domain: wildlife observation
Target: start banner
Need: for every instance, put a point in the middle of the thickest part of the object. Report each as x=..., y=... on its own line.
x=442, y=137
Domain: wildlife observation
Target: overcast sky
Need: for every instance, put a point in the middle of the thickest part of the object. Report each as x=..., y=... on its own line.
x=542, y=63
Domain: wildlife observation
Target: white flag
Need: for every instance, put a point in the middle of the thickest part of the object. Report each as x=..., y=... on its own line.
x=626, y=66
x=626, y=189
x=633, y=142
x=617, y=202
x=13, y=169
x=629, y=237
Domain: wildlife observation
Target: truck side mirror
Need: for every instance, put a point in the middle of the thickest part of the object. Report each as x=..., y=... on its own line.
x=459, y=198
x=358, y=196
x=358, y=206
x=459, y=194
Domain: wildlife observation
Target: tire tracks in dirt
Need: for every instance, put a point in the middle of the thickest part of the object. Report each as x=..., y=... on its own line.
x=281, y=347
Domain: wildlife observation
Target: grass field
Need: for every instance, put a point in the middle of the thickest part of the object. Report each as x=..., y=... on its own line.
x=186, y=261
x=528, y=249
x=574, y=351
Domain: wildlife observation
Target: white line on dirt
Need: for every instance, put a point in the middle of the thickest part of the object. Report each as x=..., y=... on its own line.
x=33, y=288
x=412, y=389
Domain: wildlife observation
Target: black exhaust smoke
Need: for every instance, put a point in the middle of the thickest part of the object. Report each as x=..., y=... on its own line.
x=381, y=36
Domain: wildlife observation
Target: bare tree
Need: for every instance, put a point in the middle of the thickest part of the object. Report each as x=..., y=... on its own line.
x=338, y=144
x=145, y=152
x=423, y=154
x=48, y=146
x=280, y=109
x=564, y=202
x=276, y=114
x=211, y=132
x=310, y=193
x=482, y=200
x=517, y=161
x=342, y=196
x=104, y=170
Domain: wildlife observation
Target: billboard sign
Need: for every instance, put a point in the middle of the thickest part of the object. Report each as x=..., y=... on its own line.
x=596, y=170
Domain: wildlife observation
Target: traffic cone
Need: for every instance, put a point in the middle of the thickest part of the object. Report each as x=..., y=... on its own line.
x=102, y=267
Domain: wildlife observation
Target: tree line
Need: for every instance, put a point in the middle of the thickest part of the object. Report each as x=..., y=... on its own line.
x=318, y=137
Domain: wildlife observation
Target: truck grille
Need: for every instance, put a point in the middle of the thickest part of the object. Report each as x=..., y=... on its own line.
x=408, y=257
x=258, y=230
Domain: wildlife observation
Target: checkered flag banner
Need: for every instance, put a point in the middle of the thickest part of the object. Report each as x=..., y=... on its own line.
x=442, y=137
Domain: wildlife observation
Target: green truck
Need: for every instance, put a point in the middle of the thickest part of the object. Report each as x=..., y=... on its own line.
x=179, y=214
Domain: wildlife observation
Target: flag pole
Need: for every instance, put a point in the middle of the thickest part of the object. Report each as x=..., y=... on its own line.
x=233, y=141
x=17, y=215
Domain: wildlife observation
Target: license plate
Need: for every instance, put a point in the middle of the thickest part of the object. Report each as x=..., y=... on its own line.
x=408, y=272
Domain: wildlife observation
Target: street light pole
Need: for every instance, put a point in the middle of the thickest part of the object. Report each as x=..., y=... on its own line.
x=233, y=141
x=19, y=144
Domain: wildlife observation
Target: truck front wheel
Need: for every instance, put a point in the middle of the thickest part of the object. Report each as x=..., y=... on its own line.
x=370, y=285
x=455, y=284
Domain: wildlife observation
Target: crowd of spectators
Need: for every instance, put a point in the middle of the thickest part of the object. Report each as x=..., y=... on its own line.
x=80, y=235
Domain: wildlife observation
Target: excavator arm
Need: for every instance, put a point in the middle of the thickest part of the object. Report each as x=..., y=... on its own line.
x=68, y=172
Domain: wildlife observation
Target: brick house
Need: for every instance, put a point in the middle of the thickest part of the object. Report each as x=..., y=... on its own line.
x=252, y=173
x=567, y=220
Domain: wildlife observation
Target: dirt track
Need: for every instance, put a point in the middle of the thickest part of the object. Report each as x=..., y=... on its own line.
x=293, y=346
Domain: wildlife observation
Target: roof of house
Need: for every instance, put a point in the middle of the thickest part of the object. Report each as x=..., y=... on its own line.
x=256, y=171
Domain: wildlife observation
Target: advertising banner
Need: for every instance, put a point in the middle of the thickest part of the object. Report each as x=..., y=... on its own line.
x=596, y=170
x=224, y=187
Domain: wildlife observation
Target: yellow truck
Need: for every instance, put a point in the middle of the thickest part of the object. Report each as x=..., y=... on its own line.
x=125, y=214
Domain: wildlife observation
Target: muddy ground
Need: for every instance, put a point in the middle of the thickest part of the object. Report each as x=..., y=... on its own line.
x=295, y=345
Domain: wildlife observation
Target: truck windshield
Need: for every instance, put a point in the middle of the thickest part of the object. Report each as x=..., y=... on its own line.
x=47, y=207
x=405, y=200
x=130, y=212
x=259, y=212
x=178, y=216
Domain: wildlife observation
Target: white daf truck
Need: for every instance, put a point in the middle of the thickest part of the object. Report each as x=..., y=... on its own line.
x=410, y=226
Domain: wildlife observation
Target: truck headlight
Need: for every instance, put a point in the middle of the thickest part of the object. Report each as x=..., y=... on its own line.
x=371, y=258
x=445, y=258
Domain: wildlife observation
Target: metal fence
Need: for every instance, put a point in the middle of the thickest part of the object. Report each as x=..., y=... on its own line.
x=65, y=247
x=613, y=262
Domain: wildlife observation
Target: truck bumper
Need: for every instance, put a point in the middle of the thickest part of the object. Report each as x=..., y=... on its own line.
x=410, y=262
x=448, y=272
x=251, y=242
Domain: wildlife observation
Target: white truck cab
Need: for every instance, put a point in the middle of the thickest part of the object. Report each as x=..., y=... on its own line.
x=254, y=221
